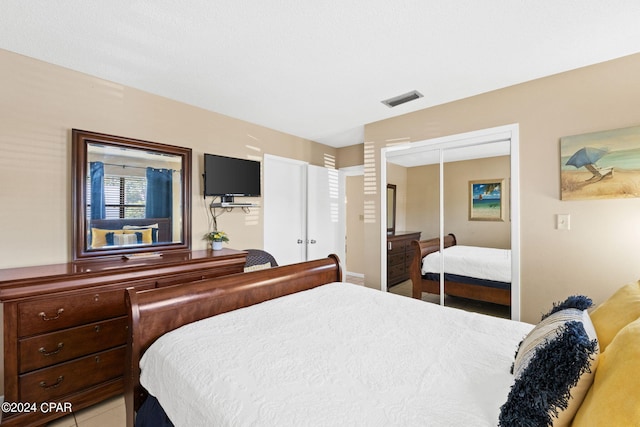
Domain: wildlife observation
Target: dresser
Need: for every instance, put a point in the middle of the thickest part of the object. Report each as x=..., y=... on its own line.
x=65, y=326
x=399, y=256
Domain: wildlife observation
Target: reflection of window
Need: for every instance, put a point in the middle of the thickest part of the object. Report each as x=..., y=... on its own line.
x=124, y=196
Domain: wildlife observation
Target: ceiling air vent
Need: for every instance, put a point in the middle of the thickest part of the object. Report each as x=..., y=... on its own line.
x=401, y=99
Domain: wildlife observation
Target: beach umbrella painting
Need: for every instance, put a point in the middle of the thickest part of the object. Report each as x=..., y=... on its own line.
x=587, y=157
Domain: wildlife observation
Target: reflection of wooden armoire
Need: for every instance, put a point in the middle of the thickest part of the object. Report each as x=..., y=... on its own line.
x=399, y=256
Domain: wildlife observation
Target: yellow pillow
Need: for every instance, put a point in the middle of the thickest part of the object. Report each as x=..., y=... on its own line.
x=257, y=267
x=622, y=308
x=612, y=399
x=146, y=234
x=99, y=237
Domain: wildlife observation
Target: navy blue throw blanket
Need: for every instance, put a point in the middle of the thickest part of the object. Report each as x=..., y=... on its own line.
x=151, y=414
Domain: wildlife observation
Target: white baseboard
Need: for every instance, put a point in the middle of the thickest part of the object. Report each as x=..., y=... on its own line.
x=355, y=274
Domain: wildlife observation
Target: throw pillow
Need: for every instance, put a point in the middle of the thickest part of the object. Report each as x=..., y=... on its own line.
x=554, y=368
x=99, y=237
x=145, y=235
x=620, y=309
x=154, y=230
x=612, y=400
x=257, y=267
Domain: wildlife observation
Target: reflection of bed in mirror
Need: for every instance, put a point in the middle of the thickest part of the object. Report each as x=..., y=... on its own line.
x=482, y=274
x=109, y=233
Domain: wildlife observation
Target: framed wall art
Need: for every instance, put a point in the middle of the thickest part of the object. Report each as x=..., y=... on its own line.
x=600, y=165
x=486, y=201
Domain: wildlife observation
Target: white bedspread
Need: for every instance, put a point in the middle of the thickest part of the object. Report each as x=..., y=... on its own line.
x=337, y=355
x=472, y=261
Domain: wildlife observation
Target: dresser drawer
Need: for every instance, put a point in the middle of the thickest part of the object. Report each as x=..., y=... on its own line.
x=395, y=271
x=50, y=383
x=396, y=246
x=408, y=257
x=396, y=259
x=63, y=312
x=194, y=277
x=52, y=314
x=55, y=347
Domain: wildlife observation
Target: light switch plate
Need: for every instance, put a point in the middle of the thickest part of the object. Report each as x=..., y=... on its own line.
x=563, y=221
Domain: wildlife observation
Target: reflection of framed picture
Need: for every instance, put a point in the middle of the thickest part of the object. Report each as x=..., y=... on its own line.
x=486, y=202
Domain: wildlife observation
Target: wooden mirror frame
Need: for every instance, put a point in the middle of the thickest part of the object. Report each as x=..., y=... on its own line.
x=391, y=209
x=80, y=140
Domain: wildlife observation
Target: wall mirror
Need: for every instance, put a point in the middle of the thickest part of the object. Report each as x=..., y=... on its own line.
x=129, y=196
x=391, y=208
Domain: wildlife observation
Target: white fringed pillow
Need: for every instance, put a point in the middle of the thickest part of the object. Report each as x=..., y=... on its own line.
x=554, y=368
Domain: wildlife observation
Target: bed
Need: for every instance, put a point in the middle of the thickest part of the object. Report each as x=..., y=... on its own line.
x=488, y=281
x=293, y=345
x=296, y=346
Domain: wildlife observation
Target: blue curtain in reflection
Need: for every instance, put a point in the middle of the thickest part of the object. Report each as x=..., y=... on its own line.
x=159, y=193
x=96, y=174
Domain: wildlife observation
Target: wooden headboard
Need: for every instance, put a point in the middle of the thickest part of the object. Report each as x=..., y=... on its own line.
x=433, y=245
x=420, y=250
x=155, y=312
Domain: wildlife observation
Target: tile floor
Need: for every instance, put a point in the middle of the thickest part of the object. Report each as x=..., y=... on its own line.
x=111, y=413
x=496, y=310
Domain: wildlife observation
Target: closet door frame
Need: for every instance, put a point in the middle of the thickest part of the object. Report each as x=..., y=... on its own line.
x=309, y=211
x=508, y=132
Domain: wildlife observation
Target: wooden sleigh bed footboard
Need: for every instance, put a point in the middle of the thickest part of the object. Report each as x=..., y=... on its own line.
x=155, y=312
x=461, y=289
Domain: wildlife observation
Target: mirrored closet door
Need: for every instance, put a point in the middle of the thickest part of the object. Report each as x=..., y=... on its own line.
x=462, y=195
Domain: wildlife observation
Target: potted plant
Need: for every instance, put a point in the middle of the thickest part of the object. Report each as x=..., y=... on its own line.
x=216, y=238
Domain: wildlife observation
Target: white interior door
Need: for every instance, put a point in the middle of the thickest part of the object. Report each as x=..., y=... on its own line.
x=284, y=200
x=325, y=212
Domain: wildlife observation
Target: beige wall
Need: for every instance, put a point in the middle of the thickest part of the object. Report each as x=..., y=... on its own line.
x=355, y=261
x=39, y=106
x=41, y=103
x=352, y=155
x=423, y=201
x=599, y=253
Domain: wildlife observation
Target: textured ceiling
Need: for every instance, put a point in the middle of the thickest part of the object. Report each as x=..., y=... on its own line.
x=319, y=69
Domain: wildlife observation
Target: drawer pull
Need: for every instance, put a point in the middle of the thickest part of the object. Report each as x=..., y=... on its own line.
x=97, y=328
x=44, y=317
x=51, y=353
x=44, y=385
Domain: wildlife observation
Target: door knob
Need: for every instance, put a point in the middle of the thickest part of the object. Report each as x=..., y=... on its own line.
x=312, y=241
x=300, y=241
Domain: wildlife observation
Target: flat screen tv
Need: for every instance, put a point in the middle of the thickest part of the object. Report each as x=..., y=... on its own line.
x=228, y=176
